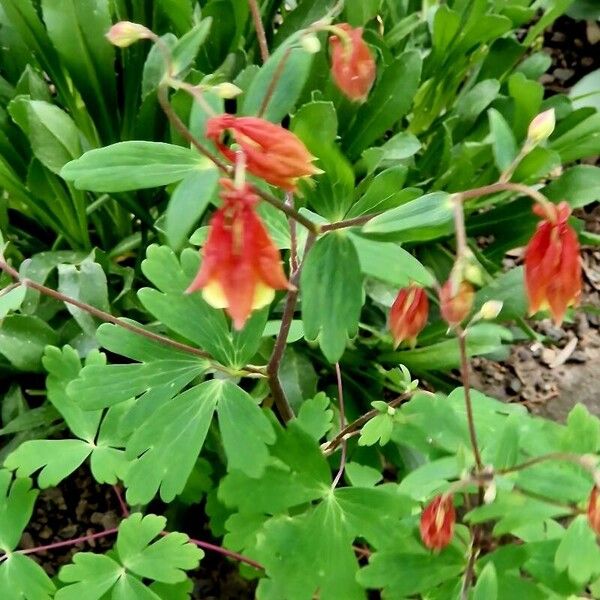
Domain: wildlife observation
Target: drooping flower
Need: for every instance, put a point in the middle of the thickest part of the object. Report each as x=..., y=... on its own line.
x=271, y=152
x=241, y=267
x=437, y=523
x=456, y=302
x=408, y=314
x=552, y=263
x=125, y=33
x=352, y=64
x=593, y=510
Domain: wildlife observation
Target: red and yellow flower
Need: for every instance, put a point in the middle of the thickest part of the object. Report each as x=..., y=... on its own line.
x=552, y=263
x=241, y=267
x=456, y=301
x=437, y=523
x=352, y=64
x=408, y=314
x=271, y=152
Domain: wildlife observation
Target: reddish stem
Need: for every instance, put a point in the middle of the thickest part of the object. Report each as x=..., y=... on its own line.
x=338, y=374
x=66, y=543
x=229, y=553
x=260, y=30
x=121, y=500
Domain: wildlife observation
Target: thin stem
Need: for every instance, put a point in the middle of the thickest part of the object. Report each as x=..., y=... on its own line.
x=291, y=212
x=274, y=81
x=260, y=30
x=459, y=228
x=281, y=402
x=347, y=431
x=179, y=125
x=108, y=318
x=347, y=223
x=66, y=543
x=338, y=374
x=470, y=570
x=563, y=456
x=505, y=186
x=464, y=370
x=289, y=201
x=121, y=501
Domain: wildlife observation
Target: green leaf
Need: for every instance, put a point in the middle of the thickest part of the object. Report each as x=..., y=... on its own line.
x=586, y=92
x=399, y=147
x=12, y=300
x=578, y=552
x=577, y=185
x=90, y=576
x=332, y=296
x=507, y=446
x=21, y=578
x=315, y=416
x=384, y=192
x=580, y=140
x=188, y=202
x=419, y=219
x=23, y=339
x=378, y=429
x=358, y=12
x=404, y=575
x=508, y=288
x=527, y=96
x=166, y=446
x=292, y=75
x=503, y=140
x=54, y=137
x=582, y=434
x=298, y=377
x=487, y=584
x=389, y=262
x=362, y=475
x=133, y=165
x=245, y=429
x=16, y=507
x=164, y=560
x=187, y=48
x=388, y=102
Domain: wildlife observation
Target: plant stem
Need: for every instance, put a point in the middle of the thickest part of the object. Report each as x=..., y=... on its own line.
x=347, y=223
x=338, y=374
x=289, y=201
x=179, y=125
x=121, y=501
x=358, y=423
x=563, y=456
x=281, y=402
x=273, y=83
x=291, y=212
x=66, y=543
x=108, y=318
x=260, y=30
x=505, y=186
x=470, y=570
x=464, y=370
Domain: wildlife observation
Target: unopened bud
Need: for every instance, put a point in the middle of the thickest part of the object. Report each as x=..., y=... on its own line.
x=472, y=272
x=311, y=44
x=541, y=127
x=125, y=33
x=491, y=309
x=226, y=90
x=490, y=493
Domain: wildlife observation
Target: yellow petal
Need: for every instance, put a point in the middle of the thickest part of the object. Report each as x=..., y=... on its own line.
x=213, y=293
x=263, y=295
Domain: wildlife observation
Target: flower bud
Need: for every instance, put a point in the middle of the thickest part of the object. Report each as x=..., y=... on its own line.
x=455, y=305
x=490, y=493
x=125, y=33
x=408, y=314
x=437, y=523
x=491, y=309
x=310, y=43
x=541, y=127
x=593, y=510
x=226, y=90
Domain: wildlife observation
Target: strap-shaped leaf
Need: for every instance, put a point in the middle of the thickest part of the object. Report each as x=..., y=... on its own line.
x=332, y=294
x=16, y=506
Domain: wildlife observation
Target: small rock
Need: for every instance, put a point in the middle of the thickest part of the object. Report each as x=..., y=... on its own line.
x=558, y=36
x=515, y=386
x=563, y=74
x=579, y=356
x=46, y=533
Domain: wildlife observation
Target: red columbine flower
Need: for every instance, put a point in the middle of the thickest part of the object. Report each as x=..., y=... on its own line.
x=241, y=267
x=593, y=510
x=408, y=314
x=272, y=152
x=455, y=305
x=437, y=522
x=352, y=63
x=552, y=263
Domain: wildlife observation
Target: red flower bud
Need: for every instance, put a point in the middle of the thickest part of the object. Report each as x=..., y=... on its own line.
x=593, y=510
x=437, y=523
x=241, y=266
x=455, y=305
x=552, y=263
x=272, y=152
x=408, y=314
x=352, y=64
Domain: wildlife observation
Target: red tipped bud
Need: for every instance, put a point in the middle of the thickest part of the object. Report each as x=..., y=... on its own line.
x=552, y=263
x=593, y=510
x=541, y=127
x=272, y=152
x=437, y=523
x=408, y=314
x=352, y=64
x=456, y=302
x=241, y=266
x=125, y=33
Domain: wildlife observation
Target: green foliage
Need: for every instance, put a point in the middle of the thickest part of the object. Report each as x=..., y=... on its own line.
x=106, y=203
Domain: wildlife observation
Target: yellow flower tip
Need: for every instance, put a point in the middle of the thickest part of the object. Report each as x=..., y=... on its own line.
x=125, y=33
x=542, y=126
